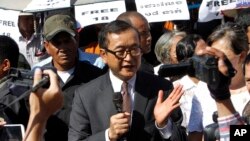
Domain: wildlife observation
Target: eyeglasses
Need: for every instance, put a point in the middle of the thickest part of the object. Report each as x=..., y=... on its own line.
x=136, y=51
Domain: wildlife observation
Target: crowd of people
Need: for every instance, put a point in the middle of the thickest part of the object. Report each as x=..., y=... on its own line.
x=117, y=93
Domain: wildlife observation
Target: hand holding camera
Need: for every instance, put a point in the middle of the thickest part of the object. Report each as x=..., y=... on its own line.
x=50, y=98
x=226, y=72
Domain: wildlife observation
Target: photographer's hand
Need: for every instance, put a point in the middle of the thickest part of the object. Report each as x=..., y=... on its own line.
x=43, y=103
x=226, y=72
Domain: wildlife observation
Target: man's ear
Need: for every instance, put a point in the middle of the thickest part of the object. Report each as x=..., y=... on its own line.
x=6, y=65
x=103, y=54
x=243, y=55
x=46, y=45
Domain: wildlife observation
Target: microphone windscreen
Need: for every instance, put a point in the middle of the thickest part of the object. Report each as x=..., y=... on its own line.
x=117, y=99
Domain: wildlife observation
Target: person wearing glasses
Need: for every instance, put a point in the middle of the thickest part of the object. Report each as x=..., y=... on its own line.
x=125, y=103
x=138, y=21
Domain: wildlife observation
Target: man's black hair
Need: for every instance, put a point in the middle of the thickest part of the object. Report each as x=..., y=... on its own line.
x=117, y=27
x=9, y=50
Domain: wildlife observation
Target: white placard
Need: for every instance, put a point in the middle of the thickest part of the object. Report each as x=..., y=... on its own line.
x=163, y=10
x=98, y=12
x=8, y=24
x=43, y=5
x=211, y=9
x=233, y=4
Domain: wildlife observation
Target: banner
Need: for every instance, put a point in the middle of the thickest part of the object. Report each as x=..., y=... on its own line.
x=234, y=4
x=8, y=24
x=163, y=10
x=44, y=5
x=211, y=9
x=98, y=12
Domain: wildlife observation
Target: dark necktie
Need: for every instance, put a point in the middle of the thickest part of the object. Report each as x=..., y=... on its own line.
x=126, y=105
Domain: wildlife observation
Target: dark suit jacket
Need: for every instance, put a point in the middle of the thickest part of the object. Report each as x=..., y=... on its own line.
x=57, y=124
x=93, y=106
x=145, y=66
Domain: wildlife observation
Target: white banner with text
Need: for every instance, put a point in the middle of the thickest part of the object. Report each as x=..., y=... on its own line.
x=8, y=24
x=211, y=9
x=163, y=10
x=104, y=12
x=44, y=5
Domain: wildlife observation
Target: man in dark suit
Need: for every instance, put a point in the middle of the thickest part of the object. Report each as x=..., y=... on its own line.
x=145, y=116
x=61, y=42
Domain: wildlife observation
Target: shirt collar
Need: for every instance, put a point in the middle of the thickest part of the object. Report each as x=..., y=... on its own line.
x=21, y=38
x=117, y=82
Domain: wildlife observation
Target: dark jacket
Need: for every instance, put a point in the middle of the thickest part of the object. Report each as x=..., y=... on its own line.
x=57, y=124
x=146, y=67
x=93, y=106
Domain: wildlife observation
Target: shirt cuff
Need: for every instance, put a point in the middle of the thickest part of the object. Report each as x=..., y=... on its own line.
x=165, y=131
x=107, y=135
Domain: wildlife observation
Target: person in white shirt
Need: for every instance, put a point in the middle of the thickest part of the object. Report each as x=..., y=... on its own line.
x=30, y=43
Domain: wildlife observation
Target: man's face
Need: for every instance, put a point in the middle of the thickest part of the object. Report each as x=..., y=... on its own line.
x=223, y=45
x=247, y=76
x=26, y=25
x=144, y=30
x=122, y=68
x=63, y=49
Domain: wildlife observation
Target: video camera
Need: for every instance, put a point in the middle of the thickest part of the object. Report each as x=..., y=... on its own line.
x=205, y=68
x=20, y=81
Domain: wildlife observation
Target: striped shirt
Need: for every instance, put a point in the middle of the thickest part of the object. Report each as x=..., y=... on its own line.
x=225, y=122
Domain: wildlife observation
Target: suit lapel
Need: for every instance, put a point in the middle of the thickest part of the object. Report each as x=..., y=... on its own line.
x=106, y=96
x=142, y=91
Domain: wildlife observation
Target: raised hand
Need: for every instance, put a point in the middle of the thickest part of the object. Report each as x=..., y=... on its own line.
x=221, y=92
x=163, y=108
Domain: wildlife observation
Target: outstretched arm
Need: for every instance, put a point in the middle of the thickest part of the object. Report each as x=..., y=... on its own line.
x=227, y=115
x=43, y=103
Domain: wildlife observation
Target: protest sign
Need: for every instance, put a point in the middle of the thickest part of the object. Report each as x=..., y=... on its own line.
x=211, y=9
x=44, y=5
x=103, y=12
x=8, y=24
x=162, y=10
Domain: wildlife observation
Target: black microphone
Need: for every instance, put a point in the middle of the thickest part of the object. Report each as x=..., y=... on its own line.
x=117, y=99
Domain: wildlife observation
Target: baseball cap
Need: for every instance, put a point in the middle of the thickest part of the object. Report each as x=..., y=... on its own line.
x=58, y=23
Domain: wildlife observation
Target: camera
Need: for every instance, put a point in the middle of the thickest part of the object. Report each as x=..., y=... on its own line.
x=21, y=81
x=205, y=68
